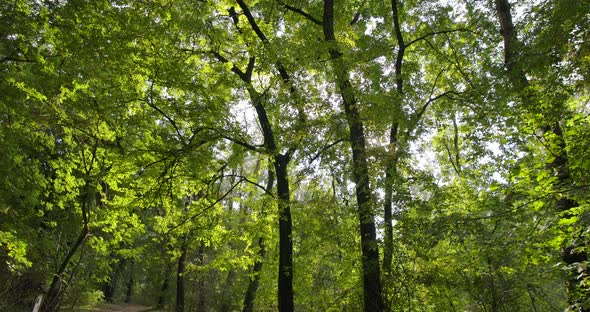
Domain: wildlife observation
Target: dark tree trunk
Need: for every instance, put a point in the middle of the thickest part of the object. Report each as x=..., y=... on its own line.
x=130, y=282
x=164, y=289
x=373, y=300
x=111, y=285
x=511, y=45
x=281, y=161
x=285, y=239
x=255, y=280
x=180, y=277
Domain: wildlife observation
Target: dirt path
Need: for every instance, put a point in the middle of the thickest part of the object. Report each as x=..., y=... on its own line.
x=122, y=308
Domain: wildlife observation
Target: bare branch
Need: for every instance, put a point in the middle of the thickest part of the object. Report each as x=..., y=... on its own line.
x=151, y=104
x=436, y=81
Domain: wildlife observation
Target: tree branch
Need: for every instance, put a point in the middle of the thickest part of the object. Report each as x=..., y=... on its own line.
x=243, y=75
x=196, y=215
x=251, y=20
x=235, y=18
x=437, y=33
x=244, y=179
x=456, y=144
x=302, y=13
x=323, y=149
x=282, y=70
x=235, y=140
x=151, y=104
x=425, y=106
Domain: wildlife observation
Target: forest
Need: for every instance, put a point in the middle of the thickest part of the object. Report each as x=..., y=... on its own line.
x=310, y=155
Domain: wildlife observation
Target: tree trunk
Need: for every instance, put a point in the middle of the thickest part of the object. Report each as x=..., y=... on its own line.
x=390, y=175
x=373, y=300
x=180, y=277
x=391, y=163
x=111, y=285
x=285, y=239
x=51, y=301
x=130, y=282
x=164, y=288
x=201, y=256
x=255, y=280
x=281, y=162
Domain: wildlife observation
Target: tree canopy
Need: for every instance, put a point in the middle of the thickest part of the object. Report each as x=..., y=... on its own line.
x=261, y=155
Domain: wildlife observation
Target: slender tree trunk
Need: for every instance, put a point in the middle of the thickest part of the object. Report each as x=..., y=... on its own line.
x=165, y=285
x=130, y=282
x=180, y=277
x=201, y=307
x=51, y=301
x=373, y=300
x=281, y=162
x=255, y=280
x=391, y=164
x=390, y=175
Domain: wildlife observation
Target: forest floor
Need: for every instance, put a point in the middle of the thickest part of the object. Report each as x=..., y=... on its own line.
x=107, y=307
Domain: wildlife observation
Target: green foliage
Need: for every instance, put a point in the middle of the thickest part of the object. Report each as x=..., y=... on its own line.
x=128, y=119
